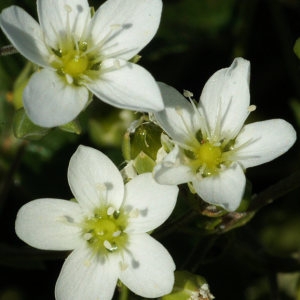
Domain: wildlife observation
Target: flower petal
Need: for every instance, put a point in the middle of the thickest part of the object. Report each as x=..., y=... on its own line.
x=50, y=102
x=63, y=19
x=25, y=34
x=171, y=170
x=149, y=268
x=225, y=99
x=225, y=189
x=128, y=86
x=86, y=276
x=261, y=142
x=178, y=119
x=148, y=203
x=94, y=179
x=50, y=224
x=124, y=27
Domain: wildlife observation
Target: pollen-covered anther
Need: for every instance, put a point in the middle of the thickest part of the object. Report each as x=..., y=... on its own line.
x=117, y=64
x=110, y=211
x=117, y=233
x=123, y=266
x=134, y=213
x=68, y=8
x=87, y=236
x=187, y=94
x=251, y=108
x=109, y=246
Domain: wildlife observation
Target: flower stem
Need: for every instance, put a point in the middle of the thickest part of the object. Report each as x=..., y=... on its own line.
x=124, y=292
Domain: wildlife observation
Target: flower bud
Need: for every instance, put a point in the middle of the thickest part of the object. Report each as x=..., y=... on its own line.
x=189, y=286
x=141, y=144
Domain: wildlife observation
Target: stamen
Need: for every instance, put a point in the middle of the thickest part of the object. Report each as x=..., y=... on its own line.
x=69, y=79
x=68, y=8
x=117, y=233
x=107, y=245
x=134, y=213
x=187, y=128
x=123, y=266
x=102, y=191
x=87, y=236
x=251, y=108
x=110, y=211
x=188, y=94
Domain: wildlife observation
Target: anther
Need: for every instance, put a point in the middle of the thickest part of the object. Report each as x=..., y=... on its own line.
x=187, y=94
x=68, y=8
x=251, y=108
x=117, y=233
x=134, y=213
x=110, y=211
x=109, y=246
x=87, y=236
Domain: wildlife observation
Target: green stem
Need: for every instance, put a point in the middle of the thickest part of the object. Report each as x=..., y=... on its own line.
x=124, y=292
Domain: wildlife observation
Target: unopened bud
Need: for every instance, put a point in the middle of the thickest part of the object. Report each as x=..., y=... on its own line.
x=189, y=286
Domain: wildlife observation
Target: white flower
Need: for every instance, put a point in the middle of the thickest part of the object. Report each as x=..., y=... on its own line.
x=106, y=228
x=213, y=147
x=79, y=53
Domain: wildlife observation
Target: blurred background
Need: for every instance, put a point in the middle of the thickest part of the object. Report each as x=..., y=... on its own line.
x=196, y=38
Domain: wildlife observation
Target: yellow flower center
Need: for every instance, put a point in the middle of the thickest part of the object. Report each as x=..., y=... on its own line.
x=74, y=61
x=209, y=156
x=104, y=232
x=74, y=64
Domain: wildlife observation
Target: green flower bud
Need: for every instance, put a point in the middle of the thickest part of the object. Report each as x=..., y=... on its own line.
x=189, y=286
x=141, y=145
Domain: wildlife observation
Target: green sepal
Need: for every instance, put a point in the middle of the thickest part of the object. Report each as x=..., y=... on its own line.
x=72, y=127
x=145, y=138
x=246, y=200
x=23, y=128
x=135, y=59
x=20, y=85
x=143, y=163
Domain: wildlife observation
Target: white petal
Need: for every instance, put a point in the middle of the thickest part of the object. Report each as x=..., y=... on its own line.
x=150, y=268
x=127, y=86
x=25, y=34
x=261, y=142
x=225, y=190
x=172, y=170
x=62, y=19
x=178, y=119
x=85, y=276
x=50, y=224
x=149, y=204
x=124, y=27
x=225, y=98
x=94, y=179
x=49, y=101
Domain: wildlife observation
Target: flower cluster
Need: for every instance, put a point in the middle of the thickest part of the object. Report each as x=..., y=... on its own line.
x=80, y=53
